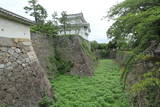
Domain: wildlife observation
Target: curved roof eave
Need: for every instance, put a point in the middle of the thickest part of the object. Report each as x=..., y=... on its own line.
x=15, y=17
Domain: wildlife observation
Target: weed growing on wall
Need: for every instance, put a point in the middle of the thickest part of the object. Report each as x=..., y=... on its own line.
x=59, y=65
x=45, y=102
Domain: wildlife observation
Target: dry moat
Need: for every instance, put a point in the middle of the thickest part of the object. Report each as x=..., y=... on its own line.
x=104, y=89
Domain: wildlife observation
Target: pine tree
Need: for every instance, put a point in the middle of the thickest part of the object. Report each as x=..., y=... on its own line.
x=37, y=11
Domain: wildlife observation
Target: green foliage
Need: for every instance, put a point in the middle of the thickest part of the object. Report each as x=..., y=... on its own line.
x=137, y=23
x=63, y=20
x=104, y=53
x=142, y=57
x=95, y=45
x=47, y=28
x=104, y=89
x=36, y=10
x=52, y=68
x=132, y=6
x=150, y=84
x=126, y=61
x=45, y=102
x=63, y=66
x=101, y=48
x=125, y=56
x=144, y=84
x=85, y=45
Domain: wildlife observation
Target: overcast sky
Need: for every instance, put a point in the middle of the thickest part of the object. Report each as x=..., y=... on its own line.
x=93, y=11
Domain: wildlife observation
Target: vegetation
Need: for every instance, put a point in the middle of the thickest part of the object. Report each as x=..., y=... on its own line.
x=85, y=46
x=58, y=65
x=136, y=28
x=63, y=66
x=100, y=49
x=36, y=10
x=48, y=28
x=149, y=86
x=104, y=89
x=45, y=102
x=63, y=20
x=137, y=24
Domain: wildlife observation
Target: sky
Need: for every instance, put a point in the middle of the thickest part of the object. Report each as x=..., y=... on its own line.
x=93, y=11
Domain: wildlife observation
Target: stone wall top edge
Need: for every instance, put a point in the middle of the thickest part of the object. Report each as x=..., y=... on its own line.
x=14, y=42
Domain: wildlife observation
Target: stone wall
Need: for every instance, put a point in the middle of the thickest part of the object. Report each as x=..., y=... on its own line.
x=44, y=48
x=69, y=48
x=140, y=77
x=22, y=80
x=78, y=51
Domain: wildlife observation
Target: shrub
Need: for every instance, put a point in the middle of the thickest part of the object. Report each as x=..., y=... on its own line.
x=47, y=28
x=59, y=65
x=45, y=102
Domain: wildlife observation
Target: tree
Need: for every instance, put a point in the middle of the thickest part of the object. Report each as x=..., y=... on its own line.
x=36, y=10
x=47, y=28
x=136, y=22
x=63, y=20
x=55, y=18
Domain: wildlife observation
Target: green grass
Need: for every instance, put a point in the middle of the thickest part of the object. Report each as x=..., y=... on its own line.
x=104, y=89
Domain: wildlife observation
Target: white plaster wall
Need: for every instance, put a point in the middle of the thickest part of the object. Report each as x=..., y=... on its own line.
x=81, y=33
x=12, y=29
x=75, y=21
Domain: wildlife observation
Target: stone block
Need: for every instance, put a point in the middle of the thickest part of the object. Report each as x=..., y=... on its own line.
x=7, y=42
x=3, y=49
x=27, y=43
x=17, y=50
x=2, y=66
x=11, y=51
x=8, y=64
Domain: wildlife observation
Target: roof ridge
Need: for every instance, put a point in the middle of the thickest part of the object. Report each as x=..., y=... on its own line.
x=75, y=14
x=9, y=13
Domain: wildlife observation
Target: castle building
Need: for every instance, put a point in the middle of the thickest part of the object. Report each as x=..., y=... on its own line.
x=76, y=25
x=13, y=25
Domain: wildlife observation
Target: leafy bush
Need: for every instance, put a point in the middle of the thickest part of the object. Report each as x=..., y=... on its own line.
x=45, y=102
x=47, y=28
x=100, y=49
x=59, y=65
x=95, y=45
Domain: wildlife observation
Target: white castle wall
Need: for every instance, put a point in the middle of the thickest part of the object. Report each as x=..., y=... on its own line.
x=82, y=32
x=12, y=29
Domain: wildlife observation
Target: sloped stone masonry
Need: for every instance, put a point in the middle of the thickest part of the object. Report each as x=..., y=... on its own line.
x=22, y=80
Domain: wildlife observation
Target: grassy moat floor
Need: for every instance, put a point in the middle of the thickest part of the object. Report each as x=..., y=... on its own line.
x=104, y=89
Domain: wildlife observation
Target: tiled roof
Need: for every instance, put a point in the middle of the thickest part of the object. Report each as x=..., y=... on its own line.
x=77, y=15
x=12, y=16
